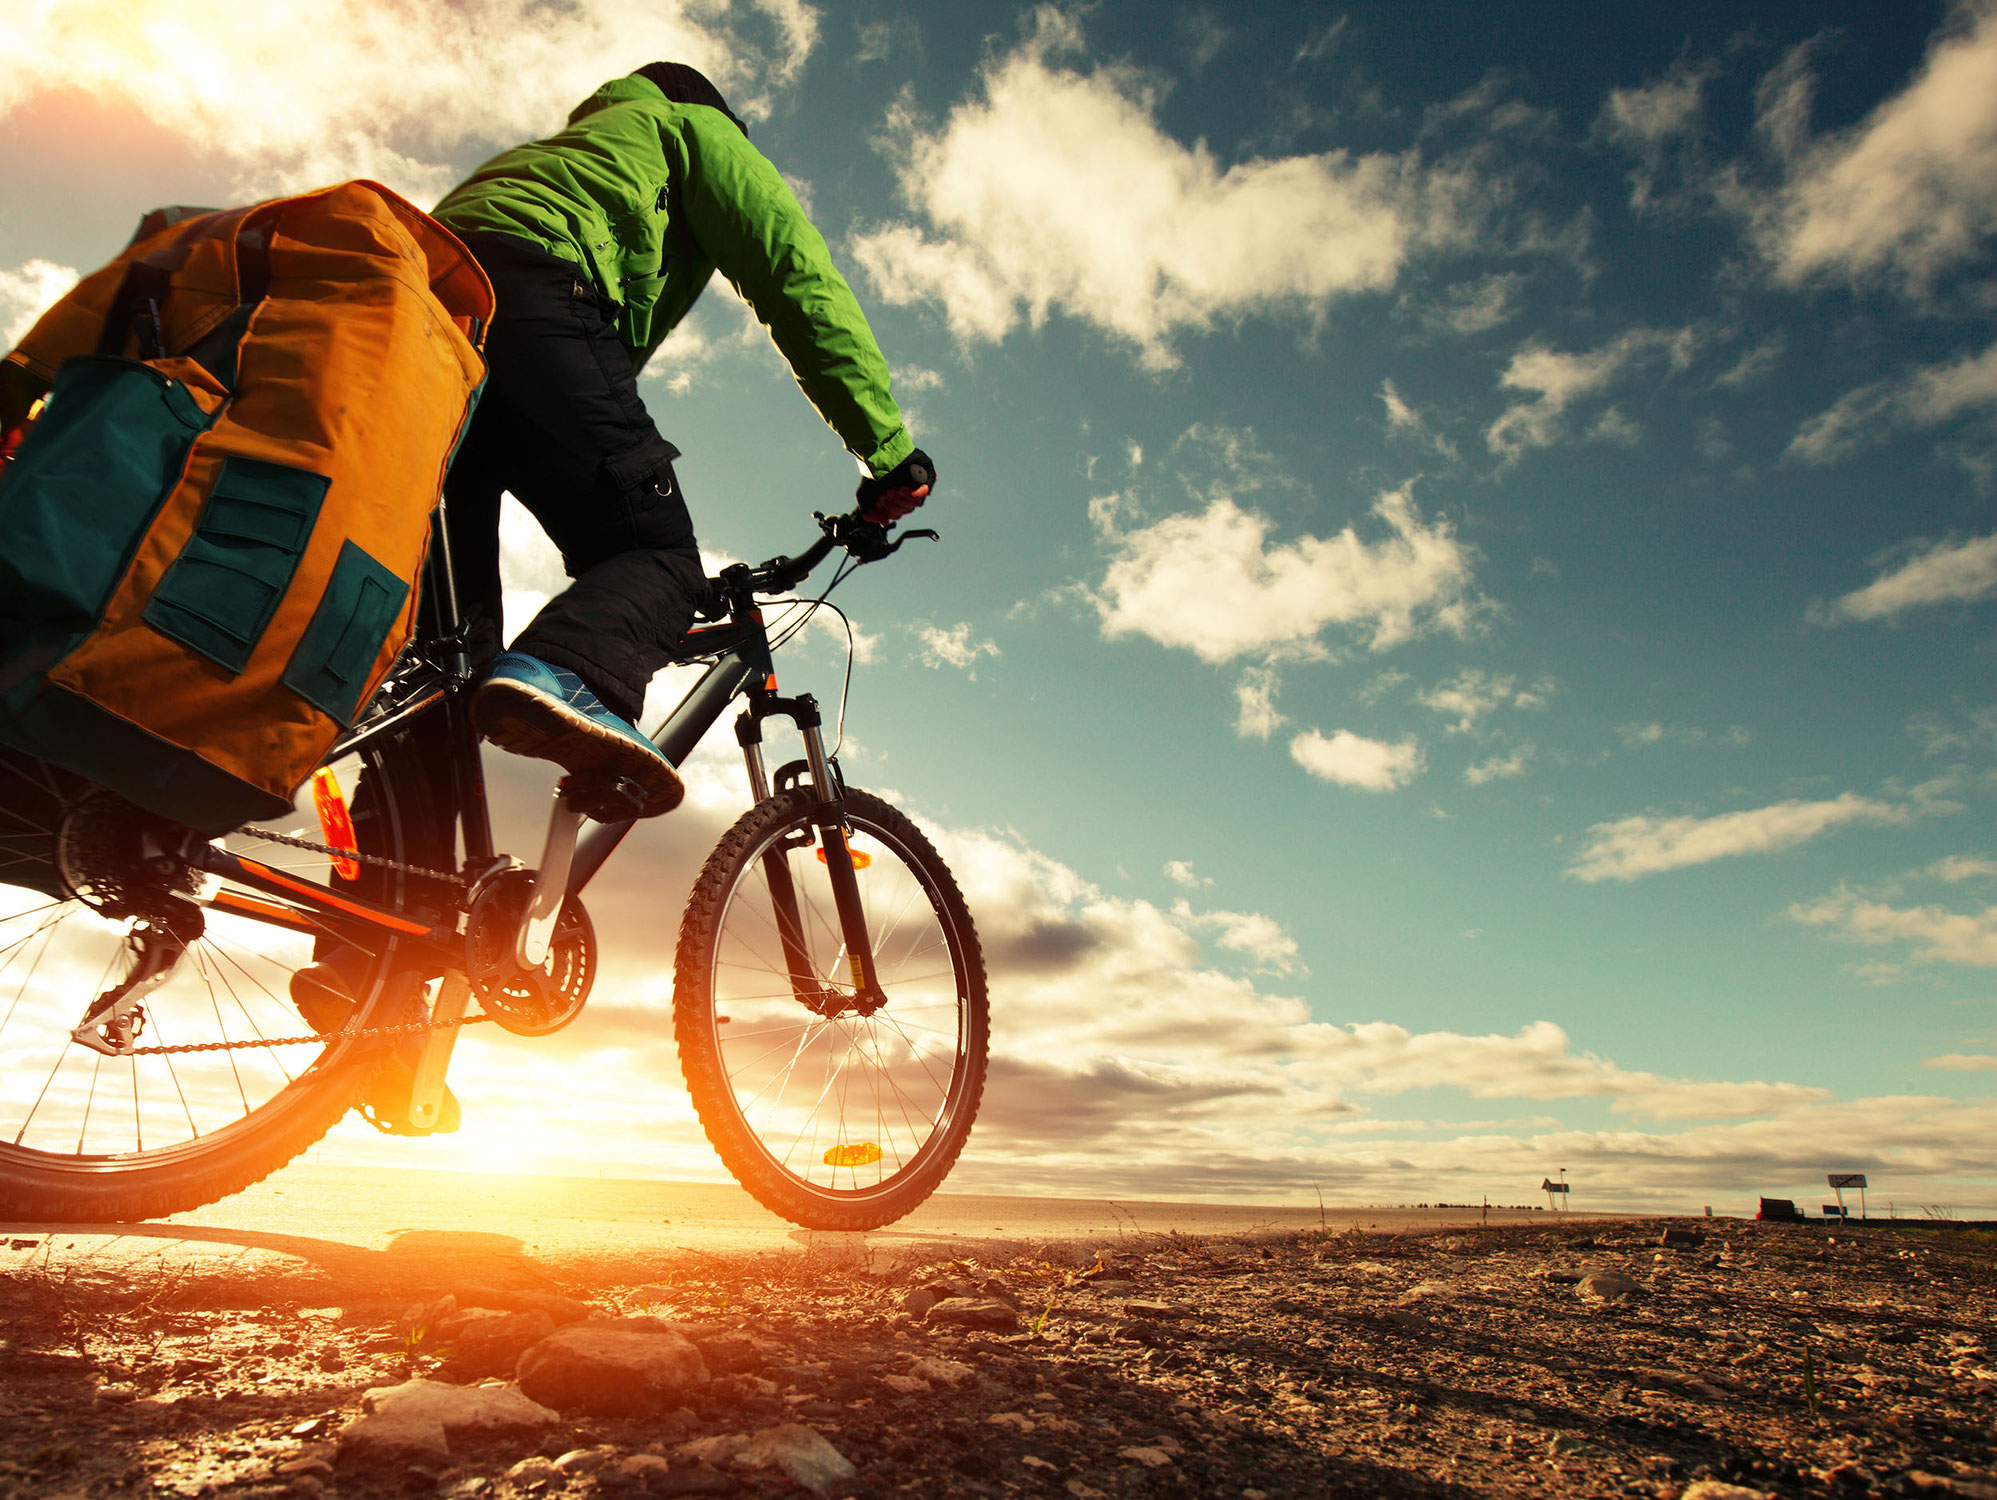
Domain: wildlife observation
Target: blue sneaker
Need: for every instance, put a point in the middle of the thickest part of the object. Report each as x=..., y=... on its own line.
x=526, y=706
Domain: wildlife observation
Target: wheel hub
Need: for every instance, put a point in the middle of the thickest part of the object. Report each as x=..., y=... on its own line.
x=115, y=858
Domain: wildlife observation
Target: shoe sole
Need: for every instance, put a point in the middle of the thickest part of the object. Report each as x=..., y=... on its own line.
x=529, y=723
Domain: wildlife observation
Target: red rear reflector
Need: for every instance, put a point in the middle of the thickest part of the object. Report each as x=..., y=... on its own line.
x=336, y=824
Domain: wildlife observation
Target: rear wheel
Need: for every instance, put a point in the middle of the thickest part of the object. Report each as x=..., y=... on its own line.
x=241, y=1081
x=833, y=1118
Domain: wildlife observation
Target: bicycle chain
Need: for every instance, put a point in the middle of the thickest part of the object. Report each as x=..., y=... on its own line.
x=380, y=861
x=359, y=1034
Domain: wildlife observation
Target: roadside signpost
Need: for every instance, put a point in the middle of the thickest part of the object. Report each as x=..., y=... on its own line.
x=1839, y=1181
x=1556, y=1192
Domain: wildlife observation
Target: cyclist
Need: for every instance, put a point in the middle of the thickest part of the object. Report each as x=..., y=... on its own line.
x=598, y=240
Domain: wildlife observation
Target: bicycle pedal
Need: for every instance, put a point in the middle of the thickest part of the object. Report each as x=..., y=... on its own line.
x=606, y=799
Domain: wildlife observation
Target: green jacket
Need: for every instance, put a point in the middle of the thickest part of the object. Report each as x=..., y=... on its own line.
x=652, y=197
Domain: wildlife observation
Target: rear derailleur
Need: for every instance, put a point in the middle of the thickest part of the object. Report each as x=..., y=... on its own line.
x=128, y=865
x=116, y=1019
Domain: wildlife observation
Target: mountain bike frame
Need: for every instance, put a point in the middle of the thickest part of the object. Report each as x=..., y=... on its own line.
x=438, y=678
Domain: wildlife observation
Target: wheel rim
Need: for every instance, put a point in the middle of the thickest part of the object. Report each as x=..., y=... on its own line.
x=66, y=1108
x=818, y=1096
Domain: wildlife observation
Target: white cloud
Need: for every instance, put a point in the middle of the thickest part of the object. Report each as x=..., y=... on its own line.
x=1473, y=693
x=1260, y=938
x=391, y=92
x=1756, y=362
x=1346, y=759
x=1256, y=717
x=1180, y=872
x=1925, y=397
x=1661, y=111
x=1957, y=868
x=1935, y=934
x=1553, y=382
x=1404, y=420
x=1057, y=189
x=1215, y=584
x=1655, y=120
x=954, y=647
x=1963, y=1062
x=1470, y=307
x=28, y=291
x=1500, y=767
x=1943, y=736
x=1401, y=417
x=1940, y=573
x=1636, y=735
x=1636, y=846
x=1906, y=195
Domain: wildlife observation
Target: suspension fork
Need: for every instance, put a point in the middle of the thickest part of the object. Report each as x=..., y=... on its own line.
x=829, y=816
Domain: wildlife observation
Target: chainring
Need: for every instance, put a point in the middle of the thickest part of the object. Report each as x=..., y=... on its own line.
x=527, y=1002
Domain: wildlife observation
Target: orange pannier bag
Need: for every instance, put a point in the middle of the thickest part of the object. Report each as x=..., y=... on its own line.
x=212, y=531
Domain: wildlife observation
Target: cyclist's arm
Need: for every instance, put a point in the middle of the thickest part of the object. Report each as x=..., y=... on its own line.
x=746, y=218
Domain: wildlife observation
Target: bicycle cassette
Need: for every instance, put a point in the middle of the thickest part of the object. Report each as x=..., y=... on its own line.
x=528, y=1002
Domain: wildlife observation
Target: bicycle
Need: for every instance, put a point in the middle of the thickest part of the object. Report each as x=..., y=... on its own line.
x=829, y=999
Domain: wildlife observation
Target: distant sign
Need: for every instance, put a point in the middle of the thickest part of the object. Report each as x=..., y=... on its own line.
x=1550, y=1186
x=1846, y=1179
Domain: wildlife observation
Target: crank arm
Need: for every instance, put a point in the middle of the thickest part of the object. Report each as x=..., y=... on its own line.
x=426, y=1091
x=551, y=884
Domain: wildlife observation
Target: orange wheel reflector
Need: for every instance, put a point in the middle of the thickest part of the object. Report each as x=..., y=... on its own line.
x=336, y=824
x=865, y=1154
x=860, y=860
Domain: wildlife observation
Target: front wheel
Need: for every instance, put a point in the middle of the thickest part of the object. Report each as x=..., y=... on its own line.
x=833, y=1113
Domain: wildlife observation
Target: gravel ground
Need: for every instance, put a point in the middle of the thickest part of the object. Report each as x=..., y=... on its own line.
x=1721, y=1359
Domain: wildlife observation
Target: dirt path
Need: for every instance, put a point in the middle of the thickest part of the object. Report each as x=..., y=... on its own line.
x=1557, y=1360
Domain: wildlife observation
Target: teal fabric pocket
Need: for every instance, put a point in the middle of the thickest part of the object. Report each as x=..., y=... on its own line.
x=231, y=576
x=361, y=604
x=83, y=490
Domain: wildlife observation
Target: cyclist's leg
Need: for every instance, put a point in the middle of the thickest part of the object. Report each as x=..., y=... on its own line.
x=563, y=428
x=563, y=425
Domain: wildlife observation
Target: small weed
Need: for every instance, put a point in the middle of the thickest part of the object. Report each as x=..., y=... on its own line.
x=1040, y=1322
x=1810, y=1397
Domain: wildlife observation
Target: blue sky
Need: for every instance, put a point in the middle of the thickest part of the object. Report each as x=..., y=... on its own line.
x=1462, y=643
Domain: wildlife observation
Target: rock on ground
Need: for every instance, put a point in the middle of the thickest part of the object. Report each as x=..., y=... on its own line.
x=798, y=1452
x=984, y=1313
x=419, y=1421
x=612, y=1370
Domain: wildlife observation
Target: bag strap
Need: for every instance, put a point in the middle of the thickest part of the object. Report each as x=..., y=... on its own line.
x=135, y=310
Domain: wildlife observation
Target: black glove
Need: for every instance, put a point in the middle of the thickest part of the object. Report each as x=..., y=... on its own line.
x=897, y=492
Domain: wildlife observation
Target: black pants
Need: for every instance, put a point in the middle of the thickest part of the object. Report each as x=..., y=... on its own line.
x=561, y=426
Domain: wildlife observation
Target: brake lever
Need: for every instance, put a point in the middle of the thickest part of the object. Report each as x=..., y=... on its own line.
x=867, y=541
x=921, y=531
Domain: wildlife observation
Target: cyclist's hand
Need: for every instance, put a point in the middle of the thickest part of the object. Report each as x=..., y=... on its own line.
x=897, y=492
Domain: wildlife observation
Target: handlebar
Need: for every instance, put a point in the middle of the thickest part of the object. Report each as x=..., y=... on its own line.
x=862, y=540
